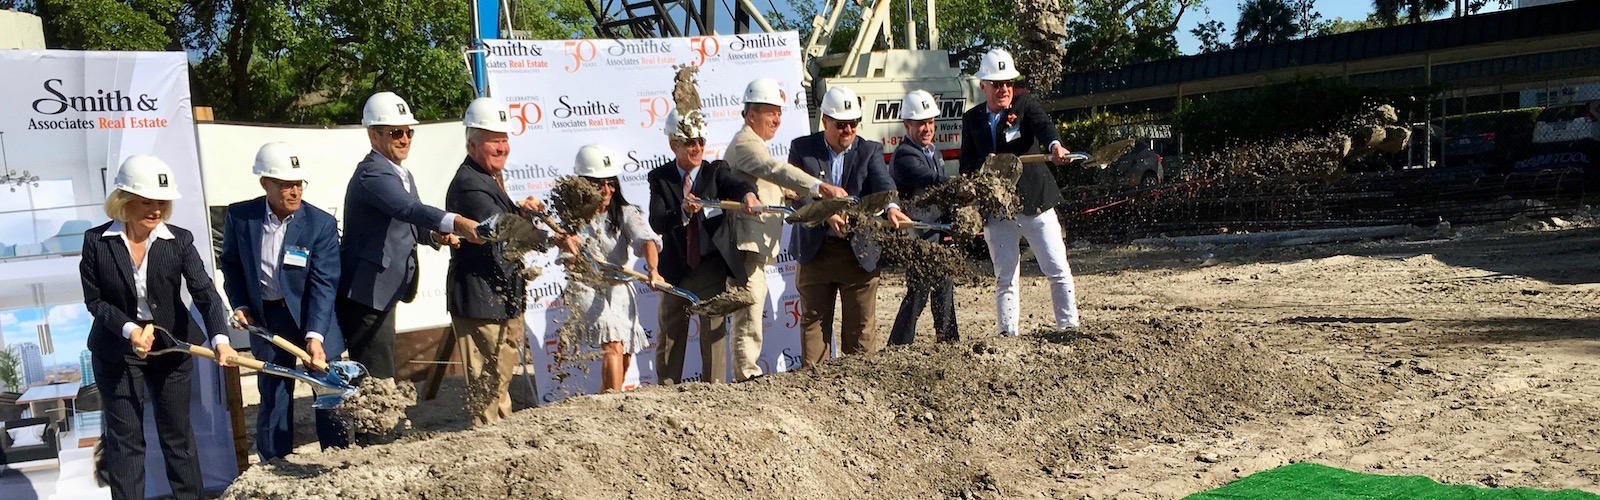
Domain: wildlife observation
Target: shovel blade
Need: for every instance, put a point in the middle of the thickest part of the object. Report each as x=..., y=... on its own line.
x=1003, y=166
x=509, y=227
x=818, y=211
x=877, y=202
x=724, y=303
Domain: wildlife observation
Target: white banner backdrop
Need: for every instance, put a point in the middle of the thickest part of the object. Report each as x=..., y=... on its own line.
x=569, y=93
x=71, y=118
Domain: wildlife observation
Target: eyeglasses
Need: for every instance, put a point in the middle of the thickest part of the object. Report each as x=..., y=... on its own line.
x=1002, y=83
x=847, y=123
x=290, y=185
x=697, y=141
x=600, y=183
x=397, y=133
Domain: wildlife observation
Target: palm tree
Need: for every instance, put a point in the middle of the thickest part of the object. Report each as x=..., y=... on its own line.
x=1265, y=21
x=1389, y=11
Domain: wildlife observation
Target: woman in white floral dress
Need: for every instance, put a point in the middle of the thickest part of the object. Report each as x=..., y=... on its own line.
x=608, y=313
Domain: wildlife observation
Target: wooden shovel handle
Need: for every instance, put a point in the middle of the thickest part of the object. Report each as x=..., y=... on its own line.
x=1034, y=158
x=286, y=345
x=251, y=363
x=644, y=277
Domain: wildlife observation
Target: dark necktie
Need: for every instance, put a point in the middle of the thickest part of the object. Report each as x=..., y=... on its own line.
x=694, y=228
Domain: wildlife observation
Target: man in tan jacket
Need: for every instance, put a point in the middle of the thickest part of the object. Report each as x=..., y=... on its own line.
x=759, y=235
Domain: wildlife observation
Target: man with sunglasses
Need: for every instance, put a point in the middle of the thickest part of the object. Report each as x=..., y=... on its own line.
x=834, y=261
x=758, y=235
x=1010, y=122
x=280, y=264
x=384, y=222
x=697, y=252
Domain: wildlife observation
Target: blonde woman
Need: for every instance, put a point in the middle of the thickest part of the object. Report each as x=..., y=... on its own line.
x=134, y=270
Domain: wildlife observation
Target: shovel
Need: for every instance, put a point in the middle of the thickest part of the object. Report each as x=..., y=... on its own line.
x=765, y=209
x=1099, y=158
x=723, y=304
x=912, y=224
x=818, y=211
x=331, y=389
x=351, y=372
x=507, y=227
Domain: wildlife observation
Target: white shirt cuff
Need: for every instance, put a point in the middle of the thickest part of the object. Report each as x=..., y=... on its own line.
x=816, y=189
x=314, y=336
x=1052, y=147
x=219, y=340
x=895, y=206
x=447, y=225
x=128, y=329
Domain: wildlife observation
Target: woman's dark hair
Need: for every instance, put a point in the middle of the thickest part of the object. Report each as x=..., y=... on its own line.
x=614, y=210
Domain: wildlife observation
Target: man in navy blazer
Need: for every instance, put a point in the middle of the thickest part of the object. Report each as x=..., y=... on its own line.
x=1010, y=122
x=698, y=251
x=917, y=166
x=829, y=266
x=280, y=266
x=384, y=222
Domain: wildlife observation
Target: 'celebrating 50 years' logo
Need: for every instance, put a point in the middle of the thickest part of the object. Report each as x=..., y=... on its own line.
x=529, y=115
x=581, y=51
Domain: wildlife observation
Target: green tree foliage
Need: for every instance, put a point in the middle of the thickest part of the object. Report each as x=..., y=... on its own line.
x=1390, y=11
x=307, y=61
x=1265, y=21
x=1342, y=25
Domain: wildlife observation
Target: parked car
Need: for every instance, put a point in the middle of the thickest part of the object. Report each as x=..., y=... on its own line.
x=1142, y=166
x=1468, y=144
x=1568, y=123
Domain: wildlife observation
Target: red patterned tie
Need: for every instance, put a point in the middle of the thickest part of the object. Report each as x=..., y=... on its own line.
x=694, y=229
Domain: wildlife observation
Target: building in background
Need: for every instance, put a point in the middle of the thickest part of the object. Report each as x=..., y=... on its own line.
x=32, y=363
x=85, y=368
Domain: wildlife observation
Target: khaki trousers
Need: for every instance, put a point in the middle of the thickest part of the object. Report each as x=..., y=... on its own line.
x=489, y=356
x=672, y=316
x=747, y=322
x=834, y=272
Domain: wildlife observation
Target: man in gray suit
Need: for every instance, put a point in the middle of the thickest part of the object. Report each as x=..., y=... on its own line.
x=758, y=235
x=383, y=224
x=830, y=266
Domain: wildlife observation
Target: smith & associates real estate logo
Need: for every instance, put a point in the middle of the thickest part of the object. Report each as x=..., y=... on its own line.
x=626, y=54
x=758, y=46
x=573, y=113
x=642, y=162
x=516, y=55
x=59, y=102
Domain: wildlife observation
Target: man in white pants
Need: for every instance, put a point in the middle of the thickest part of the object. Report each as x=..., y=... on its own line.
x=1008, y=122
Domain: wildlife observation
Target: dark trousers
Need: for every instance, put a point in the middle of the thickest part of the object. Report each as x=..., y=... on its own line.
x=834, y=273
x=705, y=281
x=369, y=334
x=275, y=414
x=124, y=386
x=942, y=291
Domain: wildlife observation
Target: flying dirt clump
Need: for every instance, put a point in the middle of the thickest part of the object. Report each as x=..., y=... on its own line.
x=925, y=262
x=378, y=406
x=1314, y=155
x=576, y=201
x=991, y=192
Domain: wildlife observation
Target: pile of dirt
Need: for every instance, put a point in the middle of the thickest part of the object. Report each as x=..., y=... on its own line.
x=971, y=419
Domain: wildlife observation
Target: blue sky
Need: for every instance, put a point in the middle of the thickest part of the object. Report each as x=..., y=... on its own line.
x=69, y=329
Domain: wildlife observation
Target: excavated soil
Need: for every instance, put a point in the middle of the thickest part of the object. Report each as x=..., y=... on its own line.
x=1469, y=359
x=576, y=201
x=378, y=406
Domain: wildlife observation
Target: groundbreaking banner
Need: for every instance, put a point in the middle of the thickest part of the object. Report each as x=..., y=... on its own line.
x=565, y=94
x=71, y=118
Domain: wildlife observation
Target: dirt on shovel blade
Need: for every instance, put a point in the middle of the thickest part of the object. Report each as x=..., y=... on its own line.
x=725, y=303
x=378, y=406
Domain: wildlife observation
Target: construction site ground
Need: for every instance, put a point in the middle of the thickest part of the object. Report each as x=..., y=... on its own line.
x=1468, y=355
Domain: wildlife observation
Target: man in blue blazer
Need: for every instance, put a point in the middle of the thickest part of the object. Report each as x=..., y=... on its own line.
x=917, y=166
x=280, y=265
x=829, y=266
x=384, y=222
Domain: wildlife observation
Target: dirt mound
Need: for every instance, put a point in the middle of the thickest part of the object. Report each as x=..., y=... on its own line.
x=974, y=418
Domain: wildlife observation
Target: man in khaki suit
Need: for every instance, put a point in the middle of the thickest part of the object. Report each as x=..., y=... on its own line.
x=759, y=235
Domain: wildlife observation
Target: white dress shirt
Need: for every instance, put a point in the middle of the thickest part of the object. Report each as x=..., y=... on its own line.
x=140, y=284
x=272, y=231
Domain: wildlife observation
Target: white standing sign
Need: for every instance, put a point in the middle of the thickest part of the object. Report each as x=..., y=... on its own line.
x=569, y=93
x=71, y=118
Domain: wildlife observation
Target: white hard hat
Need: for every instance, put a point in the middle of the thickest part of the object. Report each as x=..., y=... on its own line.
x=997, y=65
x=386, y=109
x=689, y=127
x=147, y=176
x=765, y=91
x=918, y=105
x=841, y=103
x=489, y=114
x=279, y=161
x=597, y=161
